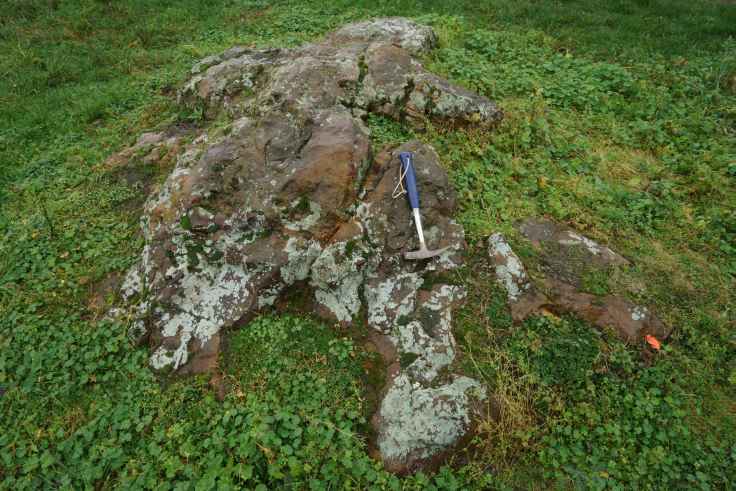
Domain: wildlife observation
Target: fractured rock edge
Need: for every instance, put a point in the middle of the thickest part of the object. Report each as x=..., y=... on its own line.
x=288, y=192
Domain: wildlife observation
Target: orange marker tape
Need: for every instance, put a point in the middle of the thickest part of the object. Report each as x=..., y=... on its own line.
x=653, y=342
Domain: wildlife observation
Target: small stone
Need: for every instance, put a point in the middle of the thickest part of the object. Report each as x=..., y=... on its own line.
x=632, y=322
x=510, y=271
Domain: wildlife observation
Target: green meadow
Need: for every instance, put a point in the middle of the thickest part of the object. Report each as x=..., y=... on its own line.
x=620, y=120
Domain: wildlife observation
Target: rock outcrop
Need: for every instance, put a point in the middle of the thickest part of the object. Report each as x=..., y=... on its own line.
x=286, y=191
x=565, y=258
x=363, y=67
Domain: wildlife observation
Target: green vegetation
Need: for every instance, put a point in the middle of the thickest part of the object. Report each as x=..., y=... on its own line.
x=620, y=120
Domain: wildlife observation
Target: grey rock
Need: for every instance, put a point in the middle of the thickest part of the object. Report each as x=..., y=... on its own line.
x=366, y=67
x=391, y=299
x=510, y=271
x=523, y=296
x=428, y=335
x=289, y=193
x=337, y=276
x=418, y=424
x=397, y=31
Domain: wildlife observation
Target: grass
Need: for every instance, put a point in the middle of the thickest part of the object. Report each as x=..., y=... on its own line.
x=621, y=120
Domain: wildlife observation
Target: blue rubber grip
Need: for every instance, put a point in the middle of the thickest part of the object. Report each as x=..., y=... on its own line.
x=410, y=178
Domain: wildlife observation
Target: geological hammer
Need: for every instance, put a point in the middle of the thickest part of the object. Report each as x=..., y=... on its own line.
x=410, y=179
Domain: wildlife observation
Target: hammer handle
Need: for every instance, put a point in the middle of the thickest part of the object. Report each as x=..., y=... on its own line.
x=410, y=178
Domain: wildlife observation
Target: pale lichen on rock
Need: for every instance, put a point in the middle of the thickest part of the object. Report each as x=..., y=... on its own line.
x=389, y=299
x=418, y=424
x=337, y=276
x=509, y=269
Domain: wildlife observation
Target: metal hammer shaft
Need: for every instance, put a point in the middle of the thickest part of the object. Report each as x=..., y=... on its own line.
x=410, y=179
x=418, y=223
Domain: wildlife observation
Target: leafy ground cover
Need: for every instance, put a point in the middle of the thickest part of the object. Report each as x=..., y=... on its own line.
x=621, y=120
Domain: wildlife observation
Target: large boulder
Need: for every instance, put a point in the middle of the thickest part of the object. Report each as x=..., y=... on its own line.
x=285, y=191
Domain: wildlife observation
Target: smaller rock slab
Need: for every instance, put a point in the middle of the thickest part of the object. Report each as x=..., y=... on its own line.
x=630, y=321
x=562, y=249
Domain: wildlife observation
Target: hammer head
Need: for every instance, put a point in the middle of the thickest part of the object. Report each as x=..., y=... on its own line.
x=424, y=253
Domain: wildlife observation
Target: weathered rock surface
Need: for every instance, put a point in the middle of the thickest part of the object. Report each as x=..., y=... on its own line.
x=524, y=298
x=565, y=256
x=417, y=424
x=367, y=66
x=287, y=191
